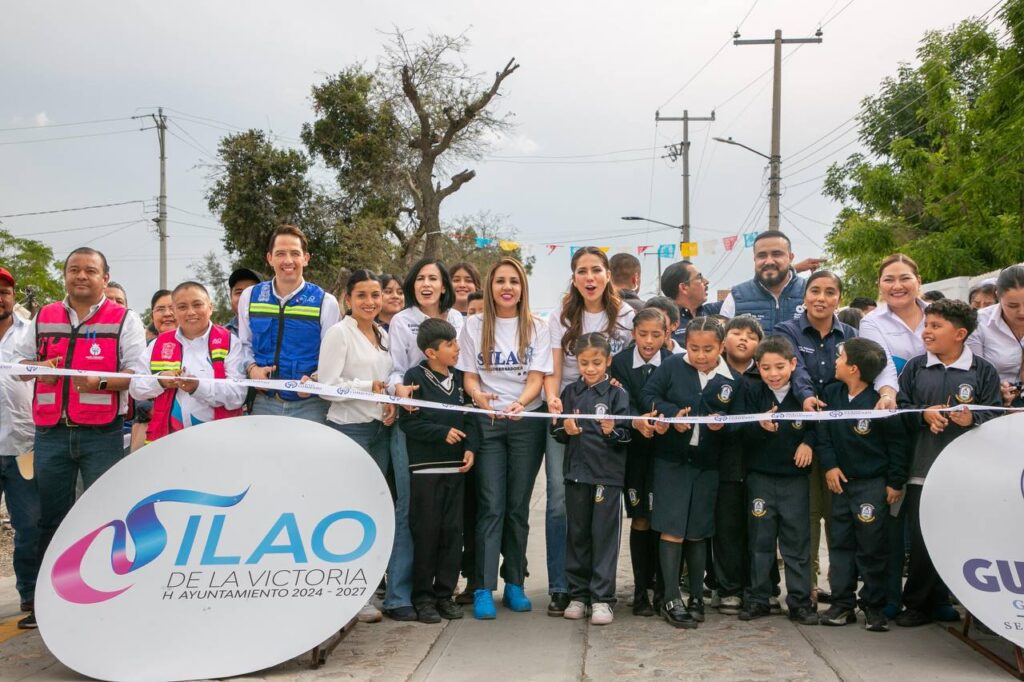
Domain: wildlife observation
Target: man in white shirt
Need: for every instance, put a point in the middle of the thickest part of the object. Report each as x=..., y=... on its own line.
x=16, y=433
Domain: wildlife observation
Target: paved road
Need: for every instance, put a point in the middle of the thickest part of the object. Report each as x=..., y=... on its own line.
x=532, y=646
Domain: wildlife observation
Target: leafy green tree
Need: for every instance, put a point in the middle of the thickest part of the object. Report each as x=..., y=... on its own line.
x=211, y=273
x=38, y=275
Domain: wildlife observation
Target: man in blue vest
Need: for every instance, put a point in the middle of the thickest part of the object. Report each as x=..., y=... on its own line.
x=280, y=325
x=776, y=293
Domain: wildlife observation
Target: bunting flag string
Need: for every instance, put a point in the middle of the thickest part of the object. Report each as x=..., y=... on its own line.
x=709, y=247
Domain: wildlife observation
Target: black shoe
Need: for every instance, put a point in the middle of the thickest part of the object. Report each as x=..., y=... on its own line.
x=696, y=609
x=28, y=606
x=912, y=618
x=427, y=613
x=804, y=616
x=28, y=622
x=559, y=602
x=838, y=615
x=382, y=589
x=754, y=611
x=875, y=620
x=658, y=601
x=402, y=613
x=466, y=596
x=642, y=605
x=824, y=596
x=677, y=616
x=448, y=609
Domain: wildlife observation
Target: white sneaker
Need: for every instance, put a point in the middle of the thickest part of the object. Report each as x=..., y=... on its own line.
x=774, y=606
x=576, y=610
x=601, y=614
x=369, y=614
x=730, y=606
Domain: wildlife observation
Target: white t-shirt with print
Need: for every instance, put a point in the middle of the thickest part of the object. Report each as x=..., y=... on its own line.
x=621, y=337
x=508, y=371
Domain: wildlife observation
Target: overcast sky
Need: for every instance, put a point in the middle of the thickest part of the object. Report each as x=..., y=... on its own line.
x=592, y=76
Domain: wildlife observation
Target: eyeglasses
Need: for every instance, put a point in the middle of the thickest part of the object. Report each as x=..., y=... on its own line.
x=163, y=310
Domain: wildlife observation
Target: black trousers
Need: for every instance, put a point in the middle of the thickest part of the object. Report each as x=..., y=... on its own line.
x=730, y=542
x=779, y=512
x=594, y=516
x=924, y=589
x=435, y=519
x=469, y=513
x=859, y=543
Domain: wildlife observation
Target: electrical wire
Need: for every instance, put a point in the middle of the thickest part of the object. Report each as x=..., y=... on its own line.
x=575, y=156
x=69, y=210
x=73, y=137
x=80, y=229
x=65, y=125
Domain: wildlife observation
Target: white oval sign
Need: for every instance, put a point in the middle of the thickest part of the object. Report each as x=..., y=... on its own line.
x=216, y=551
x=972, y=511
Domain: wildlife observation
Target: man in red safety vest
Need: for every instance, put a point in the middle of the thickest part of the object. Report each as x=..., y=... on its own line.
x=79, y=419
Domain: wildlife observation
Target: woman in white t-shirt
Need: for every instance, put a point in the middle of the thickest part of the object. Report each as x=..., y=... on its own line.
x=428, y=293
x=590, y=305
x=505, y=353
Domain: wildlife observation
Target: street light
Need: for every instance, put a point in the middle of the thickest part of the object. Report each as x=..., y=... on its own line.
x=773, y=180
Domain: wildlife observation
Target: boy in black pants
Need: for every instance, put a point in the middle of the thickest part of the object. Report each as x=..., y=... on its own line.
x=441, y=444
x=777, y=488
x=865, y=465
x=949, y=374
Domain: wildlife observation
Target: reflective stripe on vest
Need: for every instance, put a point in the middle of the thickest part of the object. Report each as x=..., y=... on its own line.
x=170, y=351
x=93, y=345
x=286, y=337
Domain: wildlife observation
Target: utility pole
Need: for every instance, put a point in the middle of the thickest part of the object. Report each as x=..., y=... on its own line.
x=685, y=153
x=775, y=175
x=161, y=221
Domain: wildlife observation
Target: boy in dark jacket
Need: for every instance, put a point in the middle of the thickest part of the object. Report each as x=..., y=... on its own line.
x=441, y=444
x=595, y=468
x=777, y=487
x=865, y=465
x=949, y=374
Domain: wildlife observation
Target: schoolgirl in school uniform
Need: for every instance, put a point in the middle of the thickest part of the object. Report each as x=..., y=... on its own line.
x=699, y=383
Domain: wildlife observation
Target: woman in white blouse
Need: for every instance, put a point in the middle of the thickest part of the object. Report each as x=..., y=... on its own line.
x=354, y=355
x=505, y=352
x=428, y=293
x=590, y=305
x=999, y=337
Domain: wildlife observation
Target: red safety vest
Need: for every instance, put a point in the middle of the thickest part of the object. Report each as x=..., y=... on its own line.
x=166, y=356
x=93, y=345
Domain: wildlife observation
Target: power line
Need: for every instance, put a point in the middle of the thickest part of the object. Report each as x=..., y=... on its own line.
x=808, y=218
x=65, y=125
x=202, y=227
x=575, y=156
x=542, y=163
x=806, y=236
x=79, y=229
x=69, y=210
x=73, y=137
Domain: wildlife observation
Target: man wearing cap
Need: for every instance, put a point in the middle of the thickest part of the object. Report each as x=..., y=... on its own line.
x=281, y=324
x=16, y=434
x=240, y=280
x=79, y=419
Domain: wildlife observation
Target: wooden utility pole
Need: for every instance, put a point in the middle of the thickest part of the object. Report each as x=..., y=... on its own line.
x=161, y=220
x=685, y=153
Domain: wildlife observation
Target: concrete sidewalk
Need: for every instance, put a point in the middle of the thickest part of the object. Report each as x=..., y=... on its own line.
x=532, y=646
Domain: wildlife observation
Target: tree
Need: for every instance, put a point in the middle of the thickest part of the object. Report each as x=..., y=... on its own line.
x=459, y=242
x=942, y=180
x=38, y=276
x=210, y=272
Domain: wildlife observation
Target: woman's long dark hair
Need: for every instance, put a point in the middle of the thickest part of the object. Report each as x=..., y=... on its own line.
x=573, y=305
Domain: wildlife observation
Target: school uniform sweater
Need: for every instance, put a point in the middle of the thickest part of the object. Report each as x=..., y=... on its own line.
x=925, y=382
x=592, y=456
x=772, y=452
x=731, y=460
x=427, y=428
x=862, y=448
x=676, y=385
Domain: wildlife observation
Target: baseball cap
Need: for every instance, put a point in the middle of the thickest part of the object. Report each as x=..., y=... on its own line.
x=5, y=276
x=242, y=274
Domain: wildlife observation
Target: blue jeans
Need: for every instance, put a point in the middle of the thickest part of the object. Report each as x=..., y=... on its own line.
x=399, y=587
x=314, y=409
x=62, y=452
x=373, y=437
x=555, y=528
x=506, y=469
x=23, y=505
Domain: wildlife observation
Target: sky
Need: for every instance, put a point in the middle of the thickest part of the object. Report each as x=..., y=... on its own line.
x=585, y=150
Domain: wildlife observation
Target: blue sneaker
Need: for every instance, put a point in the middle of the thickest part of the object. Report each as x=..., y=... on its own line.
x=515, y=599
x=483, y=605
x=891, y=611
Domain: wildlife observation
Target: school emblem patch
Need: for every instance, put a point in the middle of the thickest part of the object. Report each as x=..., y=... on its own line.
x=758, y=507
x=798, y=425
x=598, y=494
x=862, y=427
x=725, y=393
x=601, y=409
x=867, y=513
x=634, y=497
x=965, y=393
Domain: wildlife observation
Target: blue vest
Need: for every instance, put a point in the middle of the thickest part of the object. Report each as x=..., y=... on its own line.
x=287, y=337
x=752, y=298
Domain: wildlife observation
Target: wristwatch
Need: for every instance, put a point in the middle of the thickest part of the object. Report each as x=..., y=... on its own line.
x=102, y=385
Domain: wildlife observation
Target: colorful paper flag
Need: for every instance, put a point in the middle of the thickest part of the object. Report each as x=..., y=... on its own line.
x=483, y=242
x=506, y=245
x=710, y=247
x=666, y=250
x=551, y=248
x=603, y=249
x=687, y=249
x=748, y=239
x=729, y=242
x=573, y=250
x=640, y=249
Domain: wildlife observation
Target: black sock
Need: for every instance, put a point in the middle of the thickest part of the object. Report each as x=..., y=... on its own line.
x=639, y=557
x=654, y=563
x=670, y=555
x=696, y=561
